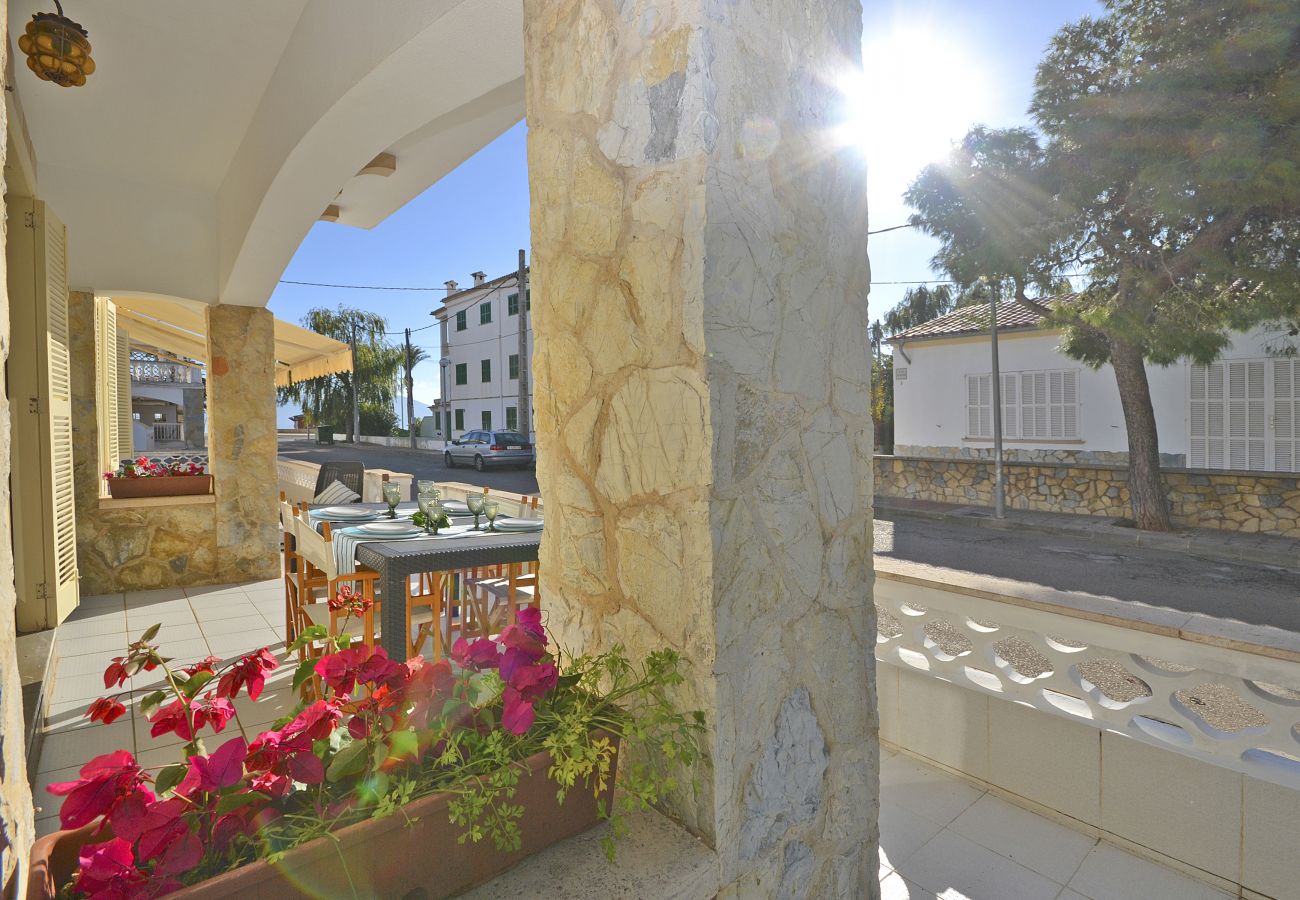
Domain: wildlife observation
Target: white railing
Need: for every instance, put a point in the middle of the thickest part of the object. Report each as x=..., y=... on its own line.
x=167, y=431
x=157, y=372
x=1234, y=706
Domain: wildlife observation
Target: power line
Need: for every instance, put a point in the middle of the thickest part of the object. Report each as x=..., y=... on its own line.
x=892, y=228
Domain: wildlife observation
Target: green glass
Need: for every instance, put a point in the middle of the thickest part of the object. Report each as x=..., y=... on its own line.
x=475, y=503
x=428, y=503
x=392, y=496
x=490, y=509
x=427, y=487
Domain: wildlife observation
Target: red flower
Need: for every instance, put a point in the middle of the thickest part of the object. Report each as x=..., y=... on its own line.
x=222, y=768
x=426, y=683
x=353, y=602
x=532, y=682
x=342, y=671
x=108, y=870
x=207, y=710
x=481, y=654
x=207, y=664
x=116, y=674
x=106, y=783
x=105, y=710
x=251, y=671
x=518, y=714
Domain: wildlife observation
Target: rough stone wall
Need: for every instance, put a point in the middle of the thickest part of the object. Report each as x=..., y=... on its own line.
x=702, y=402
x=242, y=443
x=1035, y=454
x=126, y=549
x=17, y=828
x=1249, y=502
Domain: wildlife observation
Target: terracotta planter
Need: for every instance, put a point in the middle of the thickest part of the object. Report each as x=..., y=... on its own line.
x=385, y=857
x=165, y=486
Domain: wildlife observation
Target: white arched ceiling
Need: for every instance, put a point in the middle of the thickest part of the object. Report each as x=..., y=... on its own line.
x=212, y=136
x=459, y=69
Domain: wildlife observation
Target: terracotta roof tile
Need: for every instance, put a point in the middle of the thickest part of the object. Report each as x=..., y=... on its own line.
x=974, y=319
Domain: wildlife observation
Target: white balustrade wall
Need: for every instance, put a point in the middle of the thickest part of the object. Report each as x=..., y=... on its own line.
x=960, y=638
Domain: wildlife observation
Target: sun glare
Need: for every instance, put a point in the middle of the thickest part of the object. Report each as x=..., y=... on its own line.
x=919, y=91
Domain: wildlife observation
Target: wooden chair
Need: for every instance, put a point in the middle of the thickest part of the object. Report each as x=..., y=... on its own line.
x=493, y=602
x=291, y=565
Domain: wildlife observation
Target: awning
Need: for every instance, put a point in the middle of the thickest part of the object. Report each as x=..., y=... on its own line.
x=181, y=328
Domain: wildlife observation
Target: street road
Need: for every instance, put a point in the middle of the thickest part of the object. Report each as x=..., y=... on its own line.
x=1249, y=592
x=420, y=463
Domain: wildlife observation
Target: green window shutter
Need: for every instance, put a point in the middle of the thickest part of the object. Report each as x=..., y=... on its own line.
x=514, y=366
x=460, y=420
x=528, y=299
x=512, y=305
x=487, y=420
x=512, y=417
x=486, y=366
x=462, y=373
x=485, y=313
x=460, y=320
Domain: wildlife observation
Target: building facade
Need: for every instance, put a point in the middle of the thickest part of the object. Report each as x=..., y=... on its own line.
x=479, y=328
x=1241, y=412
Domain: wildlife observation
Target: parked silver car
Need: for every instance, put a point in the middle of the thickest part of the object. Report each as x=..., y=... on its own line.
x=490, y=448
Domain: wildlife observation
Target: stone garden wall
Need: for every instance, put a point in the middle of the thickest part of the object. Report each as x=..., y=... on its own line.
x=1250, y=502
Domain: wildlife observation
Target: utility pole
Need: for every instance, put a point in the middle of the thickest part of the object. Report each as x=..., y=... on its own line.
x=523, y=420
x=410, y=387
x=356, y=403
x=999, y=493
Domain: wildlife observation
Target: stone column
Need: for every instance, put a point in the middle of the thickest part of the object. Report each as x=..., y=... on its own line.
x=242, y=441
x=193, y=408
x=702, y=395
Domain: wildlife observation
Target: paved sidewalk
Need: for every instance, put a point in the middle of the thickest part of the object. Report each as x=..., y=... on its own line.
x=1210, y=543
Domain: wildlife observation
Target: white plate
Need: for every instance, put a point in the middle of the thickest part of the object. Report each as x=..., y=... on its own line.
x=343, y=512
x=519, y=524
x=392, y=528
x=455, y=506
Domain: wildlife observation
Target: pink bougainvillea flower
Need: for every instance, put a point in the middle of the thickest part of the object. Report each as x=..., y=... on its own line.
x=206, y=711
x=223, y=768
x=526, y=635
x=207, y=664
x=105, y=709
x=108, y=870
x=532, y=682
x=181, y=855
x=251, y=671
x=531, y=618
x=428, y=686
x=116, y=674
x=481, y=654
x=105, y=783
x=518, y=714
x=342, y=671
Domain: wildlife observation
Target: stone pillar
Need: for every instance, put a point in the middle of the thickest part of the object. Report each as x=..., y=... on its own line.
x=193, y=408
x=702, y=394
x=242, y=441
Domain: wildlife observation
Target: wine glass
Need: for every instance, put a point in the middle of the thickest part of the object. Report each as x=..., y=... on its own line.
x=429, y=507
x=475, y=503
x=428, y=487
x=392, y=496
x=490, y=509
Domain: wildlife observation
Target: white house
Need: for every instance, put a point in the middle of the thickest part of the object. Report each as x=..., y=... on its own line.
x=1241, y=412
x=480, y=343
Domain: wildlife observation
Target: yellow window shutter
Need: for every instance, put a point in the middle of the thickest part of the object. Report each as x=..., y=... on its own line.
x=125, y=444
x=45, y=532
x=107, y=395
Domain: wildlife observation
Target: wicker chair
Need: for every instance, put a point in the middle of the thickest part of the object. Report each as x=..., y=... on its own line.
x=350, y=473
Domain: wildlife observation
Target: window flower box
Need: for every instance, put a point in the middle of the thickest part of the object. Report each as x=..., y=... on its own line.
x=171, y=486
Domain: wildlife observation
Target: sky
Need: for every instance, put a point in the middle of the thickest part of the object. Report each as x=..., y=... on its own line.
x=932, y=69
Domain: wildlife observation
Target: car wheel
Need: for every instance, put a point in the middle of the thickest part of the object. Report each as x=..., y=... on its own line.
x=478, y=463
x=446, y=457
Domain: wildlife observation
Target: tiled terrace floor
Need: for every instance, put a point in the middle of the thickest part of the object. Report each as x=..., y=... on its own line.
x=942, y=838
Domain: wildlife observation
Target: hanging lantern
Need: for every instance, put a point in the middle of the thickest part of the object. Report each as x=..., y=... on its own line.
x=57, y=49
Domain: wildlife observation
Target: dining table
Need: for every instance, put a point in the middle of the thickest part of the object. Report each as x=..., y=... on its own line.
x=397, y=560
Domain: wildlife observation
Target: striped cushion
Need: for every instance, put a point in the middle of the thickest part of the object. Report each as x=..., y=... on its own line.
x=337, y=492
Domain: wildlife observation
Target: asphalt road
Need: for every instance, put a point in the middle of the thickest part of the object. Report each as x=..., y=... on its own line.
x=1248, y=592
x=420, y=463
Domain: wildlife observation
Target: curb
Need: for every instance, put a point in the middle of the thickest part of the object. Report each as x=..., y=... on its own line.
x=1225, y=547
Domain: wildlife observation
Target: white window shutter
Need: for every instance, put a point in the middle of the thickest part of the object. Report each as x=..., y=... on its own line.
x=1286, y=415
x=1010, y=406
x=107, y=396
